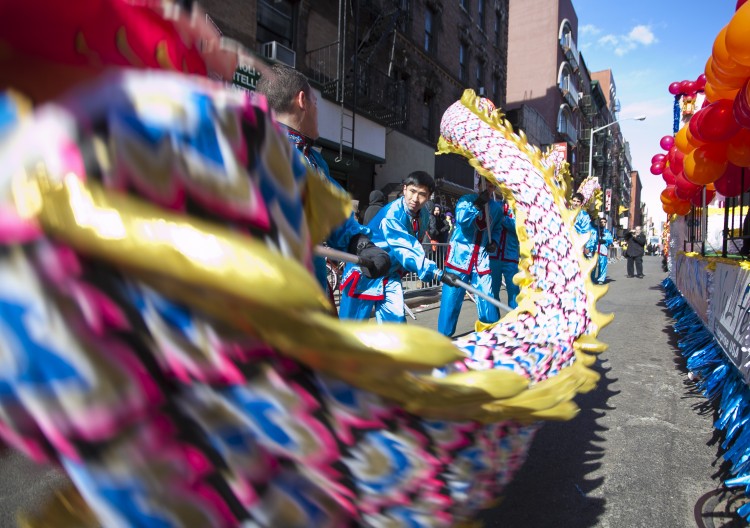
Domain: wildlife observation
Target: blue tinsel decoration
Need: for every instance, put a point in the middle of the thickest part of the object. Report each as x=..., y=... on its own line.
x=719, y=381
x=676, y=115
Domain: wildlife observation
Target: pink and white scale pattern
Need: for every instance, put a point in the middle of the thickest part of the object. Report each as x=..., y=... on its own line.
x=535, y=341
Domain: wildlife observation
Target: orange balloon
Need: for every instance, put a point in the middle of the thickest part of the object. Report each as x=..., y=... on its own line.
x=723, y=73
x=736, y=40
x=714, y=94
x=669, y=209
x=682, y=207
x=681, y=140
x=705, y=164
x=668, y=195
x=694, y=143
x=738, y=148
x=719, y=52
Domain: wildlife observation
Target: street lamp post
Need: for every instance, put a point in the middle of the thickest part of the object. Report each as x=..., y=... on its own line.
x=591, y=145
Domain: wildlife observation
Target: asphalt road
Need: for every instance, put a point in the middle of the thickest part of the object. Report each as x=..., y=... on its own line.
x=641, y=453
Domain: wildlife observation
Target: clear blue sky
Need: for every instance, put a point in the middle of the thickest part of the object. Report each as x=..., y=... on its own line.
x=648, y=45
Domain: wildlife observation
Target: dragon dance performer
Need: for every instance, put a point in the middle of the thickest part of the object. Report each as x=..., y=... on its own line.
x=467, y=258
x=290, y=95
x=504, y=260
x=604, y=240
x=582, y=223
x=397, y=228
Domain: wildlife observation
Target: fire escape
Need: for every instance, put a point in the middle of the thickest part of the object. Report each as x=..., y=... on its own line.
x=350, y=72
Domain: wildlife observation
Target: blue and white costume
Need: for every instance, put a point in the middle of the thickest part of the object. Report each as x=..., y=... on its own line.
x=504, y=261
x=342, y=235
x=599, y=275
x=583, y=226
x=467, y=258
x=396, y=231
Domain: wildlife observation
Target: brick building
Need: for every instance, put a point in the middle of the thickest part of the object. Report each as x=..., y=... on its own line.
x=386, y=70
x=555, y=99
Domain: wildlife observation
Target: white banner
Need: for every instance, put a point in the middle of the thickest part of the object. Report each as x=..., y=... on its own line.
x=692, y=279
x=729, y=317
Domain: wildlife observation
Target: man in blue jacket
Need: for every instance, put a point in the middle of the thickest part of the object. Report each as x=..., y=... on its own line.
x=604, y=240
x=467, y=258
x=295, y=106
x=582, y=224
x=398, y=229
x=504, y=255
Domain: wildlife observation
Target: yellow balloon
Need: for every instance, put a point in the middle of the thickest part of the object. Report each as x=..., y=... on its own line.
x=681, y=140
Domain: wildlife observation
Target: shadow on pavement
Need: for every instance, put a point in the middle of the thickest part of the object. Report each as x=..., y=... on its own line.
x=552, y=488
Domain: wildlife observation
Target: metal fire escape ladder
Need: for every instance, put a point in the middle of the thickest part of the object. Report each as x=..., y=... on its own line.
x=346, y=125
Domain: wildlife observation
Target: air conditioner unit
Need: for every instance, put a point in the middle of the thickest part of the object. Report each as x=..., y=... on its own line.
x=276, y=51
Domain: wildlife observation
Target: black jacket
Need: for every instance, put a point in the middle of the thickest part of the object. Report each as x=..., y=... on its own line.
x=636, y=243
x=439, y=228
x=377, y=201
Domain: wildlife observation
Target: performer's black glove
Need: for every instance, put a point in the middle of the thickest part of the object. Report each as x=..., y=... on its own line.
x=374, y=261
x=450, y=279
x=482, y=199
x=491, y=247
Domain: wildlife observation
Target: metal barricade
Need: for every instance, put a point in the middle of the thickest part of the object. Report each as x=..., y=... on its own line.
x=435, y=252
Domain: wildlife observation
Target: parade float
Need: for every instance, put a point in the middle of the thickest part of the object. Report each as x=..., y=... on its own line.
x=706, y=169
x=163, y=340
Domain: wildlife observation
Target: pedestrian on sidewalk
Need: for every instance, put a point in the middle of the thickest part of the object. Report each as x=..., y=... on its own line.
x=636, y=244
x=377, y=201
x=467, y=258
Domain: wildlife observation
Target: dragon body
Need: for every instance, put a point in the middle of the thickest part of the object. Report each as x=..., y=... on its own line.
x=165, y=344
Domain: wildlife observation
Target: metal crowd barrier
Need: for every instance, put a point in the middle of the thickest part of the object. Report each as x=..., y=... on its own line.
x=435, y=252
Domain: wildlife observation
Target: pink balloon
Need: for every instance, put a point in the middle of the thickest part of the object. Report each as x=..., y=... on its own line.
x=674, y=88
x=658, y=158
x=657, y=168
x=731, y=182
x=689, y=87
x=667, y=142
x=700, y=82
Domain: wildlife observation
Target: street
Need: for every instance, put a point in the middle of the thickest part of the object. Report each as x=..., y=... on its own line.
x=641, y=453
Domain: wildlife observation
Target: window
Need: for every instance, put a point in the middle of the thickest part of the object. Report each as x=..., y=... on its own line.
x=565, y=125
x=463, y=59
x=276, y=21
x=464, y=4
x=427, y=117
x=480, y=75
x=480, y=14
x=429, y=35
x=495, y=90
x=498, y=25
x=404, y=18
